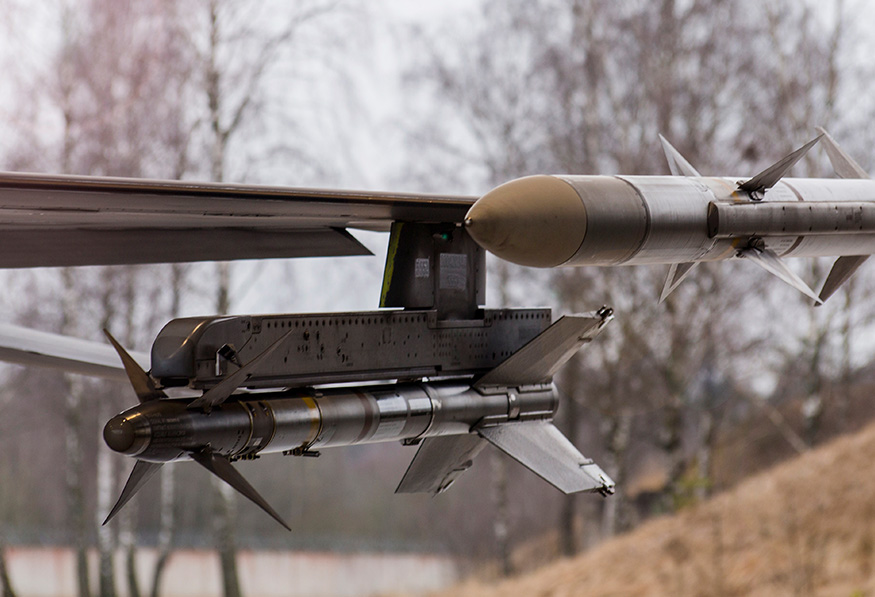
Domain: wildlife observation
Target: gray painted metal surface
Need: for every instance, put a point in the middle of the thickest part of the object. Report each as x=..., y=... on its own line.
x=539, y=359
x=439, y=462
x=52, y=220
x=341, y=347
x=541, y=447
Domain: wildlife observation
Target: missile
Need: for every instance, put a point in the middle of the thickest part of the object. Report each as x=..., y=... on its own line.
x=683, y=219
x=510, y=406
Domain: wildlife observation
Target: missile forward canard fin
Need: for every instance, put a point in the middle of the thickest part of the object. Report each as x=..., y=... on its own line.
x=678, y=165
x=142, y=472
x=541, y=447
x=221, y=467
x=439, y=462
x=676, y=274
x=223, y=391
x=765, y=180
x=140, y=380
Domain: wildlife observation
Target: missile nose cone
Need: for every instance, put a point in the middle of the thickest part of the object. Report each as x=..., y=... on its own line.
x=537, y=221
x=125, y=434
x=119, y=434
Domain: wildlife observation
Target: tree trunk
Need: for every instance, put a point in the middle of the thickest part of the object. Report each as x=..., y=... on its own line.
x=500, y=503
x=165, y=535
x=617, y=439
x=707, y=434
x=568, y=514
x=5, y=583
x=75, y=490
x=104, y=532
x=224, y=517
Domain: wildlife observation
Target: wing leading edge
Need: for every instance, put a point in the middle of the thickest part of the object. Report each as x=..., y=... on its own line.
x=50, y=220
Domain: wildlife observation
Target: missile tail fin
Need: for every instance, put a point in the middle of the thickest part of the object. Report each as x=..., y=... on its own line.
x=841, y=271
x=676, y=274
x=218, y=394
x=769, y=177
x=769, y=261
x=222, y=468
x=541, y=447
x=537, y=361
x=843, y=164
x=140, y=380
x=677, y=163
x=142, y=472
x=439, y=462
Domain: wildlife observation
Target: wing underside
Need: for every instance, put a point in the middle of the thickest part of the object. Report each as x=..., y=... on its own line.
x=48, y=220
x=32, y=347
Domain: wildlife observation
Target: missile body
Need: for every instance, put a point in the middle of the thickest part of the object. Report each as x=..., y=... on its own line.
x=168, y=430
x=549, y=221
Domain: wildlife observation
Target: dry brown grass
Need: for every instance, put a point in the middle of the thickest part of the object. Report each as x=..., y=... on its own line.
x=806, y=527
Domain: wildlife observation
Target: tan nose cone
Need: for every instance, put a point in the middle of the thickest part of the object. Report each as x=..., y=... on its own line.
x=538, y=221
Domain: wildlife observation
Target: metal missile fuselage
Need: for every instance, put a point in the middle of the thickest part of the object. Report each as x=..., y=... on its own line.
x=305, y=420
x=549, y=221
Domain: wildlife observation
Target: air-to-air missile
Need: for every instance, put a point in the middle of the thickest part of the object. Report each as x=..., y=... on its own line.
x=684, y=219
x=460, y=385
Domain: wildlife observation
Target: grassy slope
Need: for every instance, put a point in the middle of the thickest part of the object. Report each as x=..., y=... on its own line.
x=806, y=527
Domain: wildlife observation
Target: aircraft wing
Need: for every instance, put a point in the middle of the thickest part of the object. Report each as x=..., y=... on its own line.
x=52, y=220
x=25, y=346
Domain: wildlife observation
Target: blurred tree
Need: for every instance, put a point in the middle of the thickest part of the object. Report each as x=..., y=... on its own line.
x=5, y=583
x=104, y=84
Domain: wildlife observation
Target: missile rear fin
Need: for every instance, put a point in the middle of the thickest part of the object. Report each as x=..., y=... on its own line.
x=537, y=445
x=846, y=167
x=678, y=165
x=439, y=462
x=541, y=447
x=537, y=361
x=843, y=164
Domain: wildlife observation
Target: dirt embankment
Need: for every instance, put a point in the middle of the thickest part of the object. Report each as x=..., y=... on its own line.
x=806, y=527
